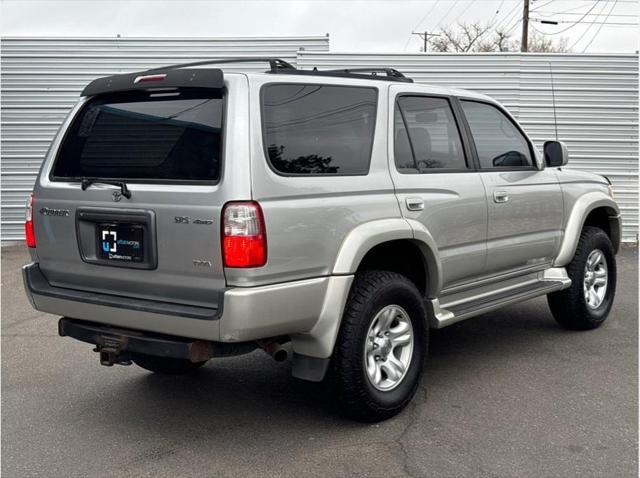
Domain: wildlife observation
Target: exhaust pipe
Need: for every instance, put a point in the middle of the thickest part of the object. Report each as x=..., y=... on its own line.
x=275, y=349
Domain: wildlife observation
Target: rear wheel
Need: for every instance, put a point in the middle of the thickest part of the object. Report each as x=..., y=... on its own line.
x=586, y=304
x=165, y=365
x=381, y=347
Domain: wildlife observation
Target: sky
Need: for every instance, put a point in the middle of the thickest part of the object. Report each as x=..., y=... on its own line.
x=602, y=26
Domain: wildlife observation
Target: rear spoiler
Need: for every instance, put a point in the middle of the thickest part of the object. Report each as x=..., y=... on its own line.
x=143, y=80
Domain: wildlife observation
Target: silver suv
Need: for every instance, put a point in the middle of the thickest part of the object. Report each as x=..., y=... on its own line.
x=190, y=212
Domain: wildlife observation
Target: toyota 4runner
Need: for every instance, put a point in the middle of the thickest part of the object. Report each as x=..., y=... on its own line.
x=189, y=212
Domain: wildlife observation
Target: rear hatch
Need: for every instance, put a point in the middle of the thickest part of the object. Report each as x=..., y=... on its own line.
x=129, y=203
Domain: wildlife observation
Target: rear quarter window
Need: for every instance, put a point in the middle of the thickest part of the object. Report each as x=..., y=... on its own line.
x=312, y=129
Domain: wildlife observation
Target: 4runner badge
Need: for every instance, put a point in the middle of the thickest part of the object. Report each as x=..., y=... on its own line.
x=45, y=211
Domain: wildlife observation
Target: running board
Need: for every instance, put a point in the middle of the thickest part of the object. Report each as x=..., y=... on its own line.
x=455, y=308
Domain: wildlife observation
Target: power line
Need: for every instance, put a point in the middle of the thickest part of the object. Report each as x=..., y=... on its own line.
x=514, y=16
x=567, y=10
x=497, y=11
x=586, y=30
x=578, y=21
x=420, y=22
x=509, y=16
x=629, y=24
x=540, y=6
x=448, y=11
x=599, y=1
x=464, y=10
x=605, y=21
x=551, y=14
x=507, y=32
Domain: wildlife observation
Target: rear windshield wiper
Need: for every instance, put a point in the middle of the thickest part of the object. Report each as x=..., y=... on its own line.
x=86, y=182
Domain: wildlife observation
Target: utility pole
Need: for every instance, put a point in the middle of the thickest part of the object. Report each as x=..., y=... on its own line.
x=425, y=37
x=524, y=44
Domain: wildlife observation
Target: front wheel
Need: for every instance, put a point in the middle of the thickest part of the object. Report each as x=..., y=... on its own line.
x=381, y=347
x=165, y=365
x=586, y=304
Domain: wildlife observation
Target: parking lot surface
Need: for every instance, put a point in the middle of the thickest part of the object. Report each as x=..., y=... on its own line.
x=507, y=394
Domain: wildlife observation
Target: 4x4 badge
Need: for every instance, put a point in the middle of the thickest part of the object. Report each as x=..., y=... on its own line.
x=116, y=196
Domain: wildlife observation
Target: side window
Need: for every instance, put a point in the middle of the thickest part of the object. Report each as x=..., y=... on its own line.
x=426, y=135
x=498, y=141
x=319, y=129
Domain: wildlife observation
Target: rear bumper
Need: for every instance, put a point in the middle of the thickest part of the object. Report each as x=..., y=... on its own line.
x=125, y=341
x=247, y=314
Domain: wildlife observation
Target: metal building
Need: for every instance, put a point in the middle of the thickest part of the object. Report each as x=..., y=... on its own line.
x=596, y=97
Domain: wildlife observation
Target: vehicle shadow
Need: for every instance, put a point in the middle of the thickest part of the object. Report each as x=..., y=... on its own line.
x=252, y=391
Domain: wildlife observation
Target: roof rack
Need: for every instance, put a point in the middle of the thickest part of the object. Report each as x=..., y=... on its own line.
x=390, y=74
x=275, y=64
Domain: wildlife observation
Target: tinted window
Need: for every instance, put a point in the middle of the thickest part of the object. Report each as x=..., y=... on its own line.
x=498, y=141
x=175, y=136
x=433, y=140
x=315, y=129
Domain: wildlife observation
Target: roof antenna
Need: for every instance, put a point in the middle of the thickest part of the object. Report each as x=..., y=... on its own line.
x=553, y=96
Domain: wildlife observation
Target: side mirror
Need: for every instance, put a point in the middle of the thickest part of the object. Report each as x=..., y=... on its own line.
x=556, y=154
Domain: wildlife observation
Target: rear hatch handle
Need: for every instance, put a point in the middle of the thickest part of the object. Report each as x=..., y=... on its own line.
x=124, y=190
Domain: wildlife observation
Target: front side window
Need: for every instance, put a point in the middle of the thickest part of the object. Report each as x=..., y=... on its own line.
x=145, y=136
x=498, y=142
x=426, y=135
x=319, y=129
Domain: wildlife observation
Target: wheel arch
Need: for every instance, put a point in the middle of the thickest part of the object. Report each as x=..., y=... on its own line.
x=596, y=209
x=313, y=349
x=365, y=240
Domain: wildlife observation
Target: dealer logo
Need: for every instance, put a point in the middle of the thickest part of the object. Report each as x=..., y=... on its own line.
x=109, y=241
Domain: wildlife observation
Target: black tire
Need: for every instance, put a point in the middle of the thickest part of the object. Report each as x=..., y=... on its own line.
x=370, y=293
x=165, y=365
x=569, y=307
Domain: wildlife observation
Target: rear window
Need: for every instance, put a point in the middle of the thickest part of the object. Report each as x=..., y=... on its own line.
x=144, y=136
x=319, y=129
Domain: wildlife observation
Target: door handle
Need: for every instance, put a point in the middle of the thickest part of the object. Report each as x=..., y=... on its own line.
x=500, y=196
x=414, y=204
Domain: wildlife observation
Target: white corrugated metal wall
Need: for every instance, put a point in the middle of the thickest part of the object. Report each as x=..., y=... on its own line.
x=42, y=78
x=596, y=96
x=596, y=102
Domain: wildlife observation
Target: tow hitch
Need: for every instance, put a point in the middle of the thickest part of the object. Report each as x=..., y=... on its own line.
x=110, y=350
x=117, y=346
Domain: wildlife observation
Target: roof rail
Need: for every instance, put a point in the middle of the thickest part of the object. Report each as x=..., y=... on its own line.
x=275, y=64
x=390, y=74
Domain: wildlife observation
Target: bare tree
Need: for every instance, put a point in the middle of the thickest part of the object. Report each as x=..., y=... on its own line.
x=478, y=37
x=502, y=41
x=539, y=43
x=463, y=37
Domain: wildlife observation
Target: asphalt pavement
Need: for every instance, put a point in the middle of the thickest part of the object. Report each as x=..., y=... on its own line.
x=507, y=394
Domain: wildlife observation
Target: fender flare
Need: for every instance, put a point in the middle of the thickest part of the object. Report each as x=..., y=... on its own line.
x=318, y=343
x=368, y=235
x=581, y=209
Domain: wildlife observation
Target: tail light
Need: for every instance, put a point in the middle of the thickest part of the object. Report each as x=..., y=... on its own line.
x=29, y=233
x=244, y=239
